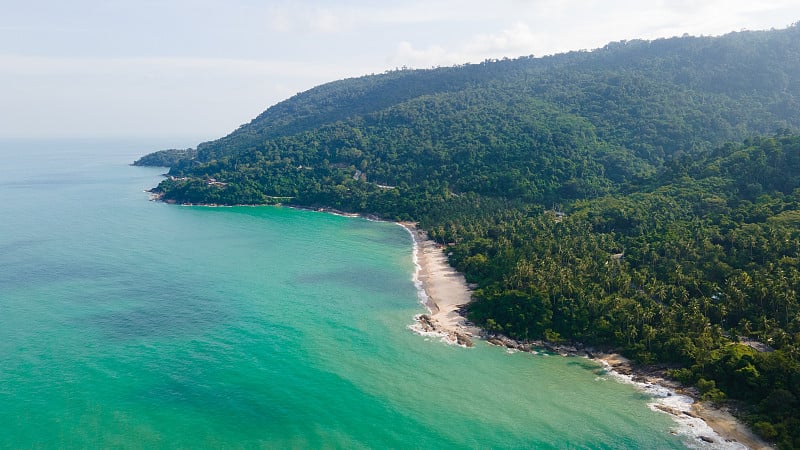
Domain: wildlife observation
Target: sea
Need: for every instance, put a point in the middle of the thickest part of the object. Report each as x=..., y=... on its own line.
x=130, y=323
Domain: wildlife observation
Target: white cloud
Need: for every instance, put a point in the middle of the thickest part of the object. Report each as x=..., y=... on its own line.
x=510, y=42
x=543, y=27
x=330, y=18
x=515, y=41
x=407, y=55
x=328, y=21
x=299, y=18
x=279, y=20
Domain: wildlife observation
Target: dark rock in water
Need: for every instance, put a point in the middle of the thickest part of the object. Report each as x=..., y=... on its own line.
x=426, y=323
x=508, y=342
x=430, y=325
x=495, y=341
x=669, y=410
x=462, y=339
x=503, y=341
x=622, y=369
x=707, y=439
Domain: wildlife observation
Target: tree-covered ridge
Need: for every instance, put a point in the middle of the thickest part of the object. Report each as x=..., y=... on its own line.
x=441, y=146
x=627, y=99
x=591, y=196
x=732, y=85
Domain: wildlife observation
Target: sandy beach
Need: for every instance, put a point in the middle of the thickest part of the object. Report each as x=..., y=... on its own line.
x=443, y=291
x=728, y=426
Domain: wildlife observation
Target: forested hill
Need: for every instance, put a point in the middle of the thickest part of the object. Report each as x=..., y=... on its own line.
x=738, y=83
x=672, y=166
x=620, y=111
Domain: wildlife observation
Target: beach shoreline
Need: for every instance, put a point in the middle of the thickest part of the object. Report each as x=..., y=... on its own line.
x=445, y=292
x=442, y=290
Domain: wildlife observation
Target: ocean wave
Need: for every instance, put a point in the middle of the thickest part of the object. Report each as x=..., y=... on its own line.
x=422, y=296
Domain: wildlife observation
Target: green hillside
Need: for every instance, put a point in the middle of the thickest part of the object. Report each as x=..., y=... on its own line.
x=674, y=166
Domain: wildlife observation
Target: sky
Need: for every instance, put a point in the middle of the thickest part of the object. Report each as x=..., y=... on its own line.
x=197, y=69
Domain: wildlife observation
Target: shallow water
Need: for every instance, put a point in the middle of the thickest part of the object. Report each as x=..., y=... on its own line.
x=130, y=323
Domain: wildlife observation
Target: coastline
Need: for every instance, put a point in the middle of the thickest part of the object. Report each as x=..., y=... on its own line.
x=444, y=292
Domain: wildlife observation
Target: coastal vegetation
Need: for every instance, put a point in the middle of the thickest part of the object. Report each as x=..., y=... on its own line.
x=644, y=196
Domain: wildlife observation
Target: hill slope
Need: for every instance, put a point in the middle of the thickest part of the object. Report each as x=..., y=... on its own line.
x=628, y=106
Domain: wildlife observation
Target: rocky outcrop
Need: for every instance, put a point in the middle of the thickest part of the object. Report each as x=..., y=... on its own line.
x=426, y=323
x=463, y=339
x=429, y=325
x=569, y=349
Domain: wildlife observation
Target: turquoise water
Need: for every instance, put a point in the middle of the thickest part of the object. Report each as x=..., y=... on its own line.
x=130, y=323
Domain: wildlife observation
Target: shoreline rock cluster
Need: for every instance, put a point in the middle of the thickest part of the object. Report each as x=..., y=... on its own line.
x=428, y=324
